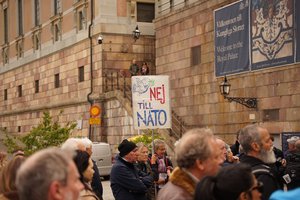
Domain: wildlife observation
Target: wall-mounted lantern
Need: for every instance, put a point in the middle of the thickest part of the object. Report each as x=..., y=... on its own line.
x=136, y=33
x=225, y=89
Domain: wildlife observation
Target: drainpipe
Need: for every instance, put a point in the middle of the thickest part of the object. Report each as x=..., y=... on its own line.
x=91, y=60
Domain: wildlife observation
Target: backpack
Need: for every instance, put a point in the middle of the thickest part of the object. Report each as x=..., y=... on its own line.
x=261, y=169
x=293, y=167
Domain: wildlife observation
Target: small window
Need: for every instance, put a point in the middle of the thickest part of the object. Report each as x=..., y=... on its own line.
x=20, y=17
x=36, y=12
x=81, y=20
x=56, y=81
x=145, y=12
x=81, y=74
x=196, y=55
x=5, y=94
x=56, y=7
x=19, y=129
x=20, y=90
x=37, y=86
x=5, y=16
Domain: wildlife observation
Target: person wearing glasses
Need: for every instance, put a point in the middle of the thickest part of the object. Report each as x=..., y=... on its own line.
x=233, y=182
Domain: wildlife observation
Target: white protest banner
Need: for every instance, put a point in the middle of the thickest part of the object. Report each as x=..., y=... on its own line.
x=151, y=102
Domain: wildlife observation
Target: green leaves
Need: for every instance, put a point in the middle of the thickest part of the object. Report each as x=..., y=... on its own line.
x=46, y=134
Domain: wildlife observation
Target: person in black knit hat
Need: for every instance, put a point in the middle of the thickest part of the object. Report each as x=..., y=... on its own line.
x=126, y=147
x=124, y=180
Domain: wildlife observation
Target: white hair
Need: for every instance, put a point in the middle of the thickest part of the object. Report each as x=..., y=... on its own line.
x=86, y=142
x=71, y=144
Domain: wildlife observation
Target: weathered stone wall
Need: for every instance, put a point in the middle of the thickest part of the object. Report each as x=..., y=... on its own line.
x=195, y=89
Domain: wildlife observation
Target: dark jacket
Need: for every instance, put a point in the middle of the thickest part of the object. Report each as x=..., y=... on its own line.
x=146, y=169
x=126, y=183
x=262, y=173
x=96, y=182
x=235, y=148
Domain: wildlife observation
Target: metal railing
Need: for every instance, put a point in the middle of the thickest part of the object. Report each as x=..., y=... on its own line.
x=116, y=79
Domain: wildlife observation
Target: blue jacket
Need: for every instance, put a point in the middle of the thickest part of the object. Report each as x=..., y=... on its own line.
x=289, y=195
x=126, y=183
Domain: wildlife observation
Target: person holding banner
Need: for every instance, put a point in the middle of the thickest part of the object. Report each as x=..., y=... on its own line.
x=147, y=166
x=164, y=164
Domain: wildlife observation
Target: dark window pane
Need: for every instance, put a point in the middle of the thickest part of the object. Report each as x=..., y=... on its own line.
x=20, y=16
x=37, y=86
x=36, y=12
x=196, y=55
x=5, y=94
x=20, y=90
x=56, y=81
x=81, y=74
x=145, y=12
x=5, y=25
x=81, y=18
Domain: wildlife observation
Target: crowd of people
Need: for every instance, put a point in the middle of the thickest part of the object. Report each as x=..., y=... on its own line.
x=206, y=169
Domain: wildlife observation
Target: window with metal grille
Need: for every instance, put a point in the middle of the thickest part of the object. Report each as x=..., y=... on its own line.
x=81, y=74
x=195, y=55
x=20, y=90
x=145, y=12
x=37, y=86
x=5, y=94
x=56, y=81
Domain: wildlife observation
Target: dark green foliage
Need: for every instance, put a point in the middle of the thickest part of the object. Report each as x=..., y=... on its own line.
x=46, y=134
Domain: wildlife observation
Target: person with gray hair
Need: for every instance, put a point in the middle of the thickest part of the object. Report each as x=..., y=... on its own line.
x=49, y=174
x=198, y=155
x=258, y=153
x=73, y=144
x=164, y=164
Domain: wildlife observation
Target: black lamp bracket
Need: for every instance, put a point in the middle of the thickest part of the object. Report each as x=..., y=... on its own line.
x=248, y=102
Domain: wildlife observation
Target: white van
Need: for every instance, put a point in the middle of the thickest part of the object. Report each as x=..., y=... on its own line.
x=102, y=156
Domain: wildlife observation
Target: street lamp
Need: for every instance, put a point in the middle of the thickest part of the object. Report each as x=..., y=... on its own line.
x=136, y=33
x=249, y=102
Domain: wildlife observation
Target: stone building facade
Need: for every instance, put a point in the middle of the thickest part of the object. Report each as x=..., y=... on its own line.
x=55, y=48
x=196, y=98
x=51, y=59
